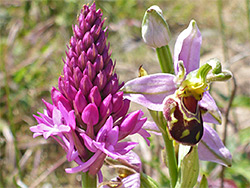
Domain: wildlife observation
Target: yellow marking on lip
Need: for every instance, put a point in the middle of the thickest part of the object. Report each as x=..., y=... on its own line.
x=185, y=133
x=197, y=137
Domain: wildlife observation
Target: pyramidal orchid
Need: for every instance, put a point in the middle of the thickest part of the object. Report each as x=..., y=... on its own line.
x=88, y=116
x=184, y=98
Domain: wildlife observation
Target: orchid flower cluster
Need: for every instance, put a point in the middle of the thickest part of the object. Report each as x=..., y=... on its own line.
x=89, y=115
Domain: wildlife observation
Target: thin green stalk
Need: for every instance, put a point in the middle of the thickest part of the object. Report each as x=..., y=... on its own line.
x=167, y=66
x=88, y=181
x=229, y=105
x=10, y=114
x=171, y=159
x=248, y=15
x=222, y=31
x=226, y=59
x=165, y=59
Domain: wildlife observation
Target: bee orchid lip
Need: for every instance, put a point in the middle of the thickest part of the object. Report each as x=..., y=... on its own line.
x=184, y=126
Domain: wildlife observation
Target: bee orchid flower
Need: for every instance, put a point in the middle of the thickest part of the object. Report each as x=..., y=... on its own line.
x=184, y=97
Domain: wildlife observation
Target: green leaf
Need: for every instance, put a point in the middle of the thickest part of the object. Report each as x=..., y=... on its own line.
x=183, y=151
x=203, y=183
x=243, y=101
x=244, y=135
x=147, y=181
x=188, y=166
x=20, y=74
x=242, y=168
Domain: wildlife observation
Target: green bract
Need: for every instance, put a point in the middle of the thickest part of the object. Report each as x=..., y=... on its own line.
x=188, y=166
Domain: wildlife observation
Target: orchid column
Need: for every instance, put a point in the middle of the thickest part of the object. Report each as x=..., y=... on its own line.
x=88, y=116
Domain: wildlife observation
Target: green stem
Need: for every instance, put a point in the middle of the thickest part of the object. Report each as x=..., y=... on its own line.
x=167, y=66
x=10, y=112
x=222, y=31
x=88, y=181
x=165, y=59
x=248, y=15
x=226, y=58
x=170, y=159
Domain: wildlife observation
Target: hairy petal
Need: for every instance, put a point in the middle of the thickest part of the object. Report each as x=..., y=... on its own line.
x=150, y=90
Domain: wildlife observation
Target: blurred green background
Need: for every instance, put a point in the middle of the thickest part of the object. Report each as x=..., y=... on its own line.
x=34, y=35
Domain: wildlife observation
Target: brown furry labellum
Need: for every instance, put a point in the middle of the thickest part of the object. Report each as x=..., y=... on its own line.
x=184, y=121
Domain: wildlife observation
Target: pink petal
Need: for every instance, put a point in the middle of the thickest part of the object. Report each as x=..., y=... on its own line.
x=187, y=48
x=150, y=90
x=90, y=114
x=211, y=148
x=132, y=181
x=88, y=142
x=112, y=136
x=63, y=128
x=124, y=147
x=71, y=148
x=57, y=116
x=151, y=127
x=145, y=135
x=106, y=128
x=109, y=151
x=213, y=114
x=84, y=167
x=71, y=120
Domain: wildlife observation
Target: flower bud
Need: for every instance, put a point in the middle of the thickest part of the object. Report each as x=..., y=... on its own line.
x=155, y=30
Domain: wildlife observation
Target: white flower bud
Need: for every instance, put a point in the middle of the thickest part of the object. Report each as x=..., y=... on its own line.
x=155, y=30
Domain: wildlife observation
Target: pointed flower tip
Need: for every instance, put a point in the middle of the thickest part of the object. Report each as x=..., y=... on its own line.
x=193, y=25
x=187, y=48
x=155, y=30
x=211, y=148
x=228, y=158
x=155, y=8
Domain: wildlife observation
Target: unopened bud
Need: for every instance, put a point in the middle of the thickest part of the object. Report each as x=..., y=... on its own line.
x=155, y=30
